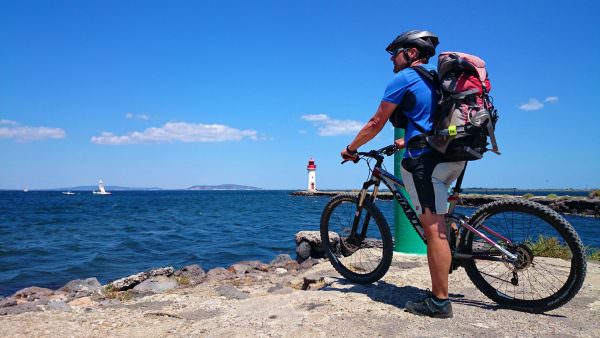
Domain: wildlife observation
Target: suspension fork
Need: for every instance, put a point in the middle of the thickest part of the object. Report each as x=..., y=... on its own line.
x=361, y=201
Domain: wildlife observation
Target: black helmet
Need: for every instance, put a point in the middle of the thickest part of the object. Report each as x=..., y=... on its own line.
x=424, y=41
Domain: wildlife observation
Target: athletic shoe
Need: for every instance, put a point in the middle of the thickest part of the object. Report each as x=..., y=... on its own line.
x=430, y=307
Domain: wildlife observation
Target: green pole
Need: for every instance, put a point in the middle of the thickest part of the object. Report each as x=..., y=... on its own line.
x=406, y=238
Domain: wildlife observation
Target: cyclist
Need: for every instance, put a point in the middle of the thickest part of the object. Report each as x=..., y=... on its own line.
x=408, y=102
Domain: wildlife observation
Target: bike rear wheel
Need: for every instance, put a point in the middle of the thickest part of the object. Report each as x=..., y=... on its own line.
x=551, y=265
x=364, y=255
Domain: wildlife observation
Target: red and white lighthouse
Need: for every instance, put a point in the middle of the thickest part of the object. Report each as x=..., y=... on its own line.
x=312, y=176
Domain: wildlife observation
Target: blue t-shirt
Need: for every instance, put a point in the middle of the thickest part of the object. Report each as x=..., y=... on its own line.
x=409, y=82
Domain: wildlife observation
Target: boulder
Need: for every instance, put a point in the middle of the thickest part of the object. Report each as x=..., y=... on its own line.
x=192, y=274
x=219, y=274
x=156, y=284
x=281, y=261
x=10, y=301
x=133, y=280
x=82, y=287
x=308, y=244
x=32, y=294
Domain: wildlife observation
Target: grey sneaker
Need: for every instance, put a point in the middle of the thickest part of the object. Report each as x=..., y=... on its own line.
x=430, y=307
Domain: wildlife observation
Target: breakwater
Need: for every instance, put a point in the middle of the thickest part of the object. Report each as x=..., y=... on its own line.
x=575, y=205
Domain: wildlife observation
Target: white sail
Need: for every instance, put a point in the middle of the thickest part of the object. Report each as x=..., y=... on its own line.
x=101, y=190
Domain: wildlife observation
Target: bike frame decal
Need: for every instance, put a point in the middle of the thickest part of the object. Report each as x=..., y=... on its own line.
x=392, y=182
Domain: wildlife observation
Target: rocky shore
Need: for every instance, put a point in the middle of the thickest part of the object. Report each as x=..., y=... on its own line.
x=282, y=298
x=574, y=205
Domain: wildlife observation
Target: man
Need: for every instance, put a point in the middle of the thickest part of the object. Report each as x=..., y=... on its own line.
x=409, y=102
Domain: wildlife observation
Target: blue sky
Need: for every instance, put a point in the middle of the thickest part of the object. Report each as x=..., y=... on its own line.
x=173, y=94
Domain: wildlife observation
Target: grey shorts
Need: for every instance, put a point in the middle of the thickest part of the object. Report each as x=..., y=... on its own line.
x=427, y=179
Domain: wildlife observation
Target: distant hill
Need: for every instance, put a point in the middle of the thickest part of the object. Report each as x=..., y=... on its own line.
x=222, y=187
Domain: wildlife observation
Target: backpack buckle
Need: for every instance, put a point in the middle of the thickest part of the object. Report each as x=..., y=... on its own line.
x=452, y=130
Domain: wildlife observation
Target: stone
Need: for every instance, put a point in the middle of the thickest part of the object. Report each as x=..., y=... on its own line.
x=32, y=294
x=281, y=271
x=156, y=284
x=313, y=238
x=82, y=302
x=5, y=302
x=219, y=274
x=231, y=292
x=133, y=280
x=191, y=271
x=190, y=275
x=20, y=308
x=281, y=260
x=82, y=287
x=303, y=250
x=280, y=289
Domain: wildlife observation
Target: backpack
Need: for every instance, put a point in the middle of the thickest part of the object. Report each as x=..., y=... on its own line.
x=464, y=116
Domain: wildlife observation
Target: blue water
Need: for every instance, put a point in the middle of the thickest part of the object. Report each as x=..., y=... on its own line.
x=48, y=239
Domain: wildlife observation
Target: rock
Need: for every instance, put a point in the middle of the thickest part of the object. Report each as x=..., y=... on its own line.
x=5, y=302
x=307, y=264
x=156, y=284
x=32, y=294
x=281, y=271
x=58, y=305
x=240, y=268
x=303, y=250
x=219, y=274
x=190, y=275
x=191, y=271
x=231, y=292
x=20, y=308
x=82, y=287
x=133, y=280
x=312, y=239
x=281, y=260
x=82, y=302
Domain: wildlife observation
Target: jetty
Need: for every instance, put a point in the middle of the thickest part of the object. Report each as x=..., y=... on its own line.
x=575, y=205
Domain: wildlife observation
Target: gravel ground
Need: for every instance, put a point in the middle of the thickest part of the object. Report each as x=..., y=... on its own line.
x=266, y=304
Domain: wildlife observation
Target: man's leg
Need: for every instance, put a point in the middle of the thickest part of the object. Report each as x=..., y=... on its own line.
x=438, y=252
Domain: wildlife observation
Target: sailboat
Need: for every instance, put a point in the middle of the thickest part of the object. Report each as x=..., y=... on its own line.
x=68, y=193
x=101, y=190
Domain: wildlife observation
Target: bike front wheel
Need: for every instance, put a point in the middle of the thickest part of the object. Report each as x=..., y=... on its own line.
x=551, y=263
x=357, y=242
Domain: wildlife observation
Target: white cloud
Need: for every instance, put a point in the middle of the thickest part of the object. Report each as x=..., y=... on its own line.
x=143, y=117
x=532, y=104
x=315, y=117
x=330, y=127
x=27, y=133
x=178, y=131
x=551, y=99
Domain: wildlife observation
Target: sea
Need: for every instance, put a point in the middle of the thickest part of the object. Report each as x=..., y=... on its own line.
x=48, y=239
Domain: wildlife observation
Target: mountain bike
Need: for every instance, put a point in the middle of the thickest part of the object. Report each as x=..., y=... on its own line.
x=518, y=253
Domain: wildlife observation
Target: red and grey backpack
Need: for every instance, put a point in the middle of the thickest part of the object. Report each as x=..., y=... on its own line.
x=465, y=116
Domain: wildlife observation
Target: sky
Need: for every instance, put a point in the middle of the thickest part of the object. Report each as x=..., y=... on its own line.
x=181, y=93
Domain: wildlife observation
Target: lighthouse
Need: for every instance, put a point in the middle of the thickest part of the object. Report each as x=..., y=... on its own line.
x=312, y=177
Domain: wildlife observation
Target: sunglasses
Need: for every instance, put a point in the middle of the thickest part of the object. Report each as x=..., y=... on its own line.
x=397, y=51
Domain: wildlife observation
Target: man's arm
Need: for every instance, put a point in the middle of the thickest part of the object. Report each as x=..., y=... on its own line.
x=373, y=127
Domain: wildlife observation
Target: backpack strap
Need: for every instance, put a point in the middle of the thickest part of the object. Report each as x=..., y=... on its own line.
x=431, y=77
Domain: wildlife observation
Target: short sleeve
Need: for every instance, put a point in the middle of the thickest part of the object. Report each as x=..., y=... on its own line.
x=396, y=89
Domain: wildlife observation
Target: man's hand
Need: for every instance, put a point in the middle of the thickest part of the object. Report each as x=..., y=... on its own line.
x=349, y=156
x=400, y=143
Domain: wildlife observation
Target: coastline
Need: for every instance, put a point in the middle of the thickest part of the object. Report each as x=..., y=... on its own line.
x=283, y=299
x=573, y=205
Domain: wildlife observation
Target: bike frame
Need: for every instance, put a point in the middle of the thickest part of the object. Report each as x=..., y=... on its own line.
x=394, y=184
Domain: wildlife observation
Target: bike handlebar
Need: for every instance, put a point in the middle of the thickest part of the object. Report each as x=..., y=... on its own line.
x=376, y=154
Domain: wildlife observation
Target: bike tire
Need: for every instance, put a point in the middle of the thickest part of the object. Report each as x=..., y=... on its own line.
x=372, y=260
x=536, y=269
